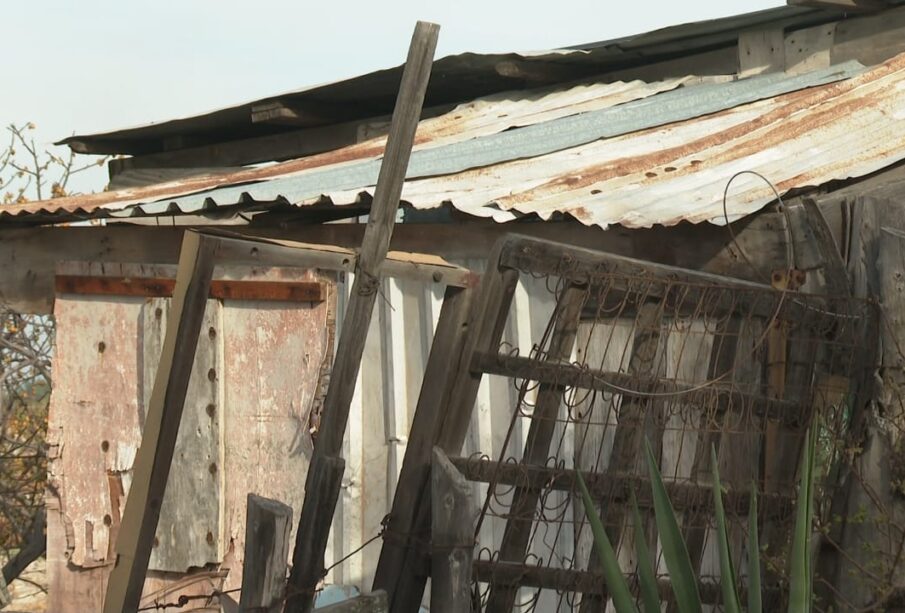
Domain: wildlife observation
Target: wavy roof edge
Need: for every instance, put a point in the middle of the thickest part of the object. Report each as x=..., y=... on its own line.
x=457, y=78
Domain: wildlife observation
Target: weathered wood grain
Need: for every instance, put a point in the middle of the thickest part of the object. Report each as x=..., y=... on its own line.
x=268, y=524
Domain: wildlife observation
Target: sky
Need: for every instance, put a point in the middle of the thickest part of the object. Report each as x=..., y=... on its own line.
x=97, y=65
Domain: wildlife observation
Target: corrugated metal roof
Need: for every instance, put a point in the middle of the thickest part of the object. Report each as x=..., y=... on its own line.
x=454, y=79
x=660, y=158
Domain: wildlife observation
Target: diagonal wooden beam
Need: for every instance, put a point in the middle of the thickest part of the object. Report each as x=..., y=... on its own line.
x=307, y=563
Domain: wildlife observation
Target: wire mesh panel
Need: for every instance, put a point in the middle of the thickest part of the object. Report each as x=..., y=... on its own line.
x=638, y=356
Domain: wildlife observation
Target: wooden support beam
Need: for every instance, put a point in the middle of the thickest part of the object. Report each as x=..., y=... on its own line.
x=351, y=343
x=267, y=527
x=152, y=462
x=453, y=514
x=29, y=255
x=401, y=567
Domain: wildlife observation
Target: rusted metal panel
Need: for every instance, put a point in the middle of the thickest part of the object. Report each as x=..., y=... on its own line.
x=664, y=167
x=245, y=429
x=273, y=357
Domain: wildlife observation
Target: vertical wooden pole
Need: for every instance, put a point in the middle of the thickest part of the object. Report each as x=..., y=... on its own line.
x=267, y=527
x=375, y=244
x=453, y=514
x=403, y=533
x=152, y=462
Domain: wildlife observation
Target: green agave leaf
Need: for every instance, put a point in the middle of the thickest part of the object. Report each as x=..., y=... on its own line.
x=731, y=603
x=650, y=594
x=681, y=574
x=612, y=573
x=754, y=595
x=800, y=571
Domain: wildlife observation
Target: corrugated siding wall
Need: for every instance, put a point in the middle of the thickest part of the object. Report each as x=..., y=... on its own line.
x=385, y=398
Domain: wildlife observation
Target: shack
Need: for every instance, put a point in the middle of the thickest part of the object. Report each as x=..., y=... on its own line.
x=764, y=142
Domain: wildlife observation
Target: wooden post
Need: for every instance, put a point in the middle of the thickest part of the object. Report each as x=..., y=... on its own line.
x=152, y=462
x=267, y=527
x=453, y=515
x=352, y=337
x=398, y=568
x=517, y=533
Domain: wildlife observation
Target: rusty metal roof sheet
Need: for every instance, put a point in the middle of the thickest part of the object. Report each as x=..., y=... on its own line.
x=633, y=154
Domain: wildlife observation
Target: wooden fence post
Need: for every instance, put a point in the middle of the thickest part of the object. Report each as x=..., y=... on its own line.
x=152, y=462
x=267, y=527
x=375, y=244
x=453, y=515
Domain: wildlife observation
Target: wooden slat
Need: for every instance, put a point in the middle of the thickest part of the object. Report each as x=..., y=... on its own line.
x=537, y=446
x=281, y=291
x=350, y=347
x=152, y=462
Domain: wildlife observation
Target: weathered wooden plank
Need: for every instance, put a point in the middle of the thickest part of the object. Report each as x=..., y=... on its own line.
x=453, y=515
x=809, y=49
x=324, y=479
x=190, y=529
x=761, y=51
x=30, y=256
x=400, y=564
x=537, y=446
x=267, y=528
x=153, y=460
x=350, y=347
